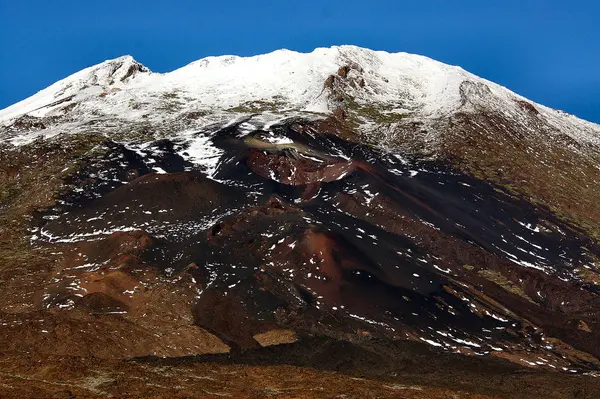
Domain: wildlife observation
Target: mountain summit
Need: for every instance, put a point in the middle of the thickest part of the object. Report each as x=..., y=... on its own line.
x=351, y=210
x=390, y=85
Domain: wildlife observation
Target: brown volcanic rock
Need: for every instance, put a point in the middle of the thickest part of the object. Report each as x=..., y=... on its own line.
x=276, y=337
x=229, y=319
x=119, y=247
x=528, y=107
x=121, y=308
x=293, y=171
x=104, y=273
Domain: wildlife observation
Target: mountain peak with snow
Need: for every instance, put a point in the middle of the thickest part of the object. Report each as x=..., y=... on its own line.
x=364, y=82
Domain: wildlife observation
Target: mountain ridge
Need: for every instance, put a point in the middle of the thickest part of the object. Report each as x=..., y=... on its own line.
x=408, y=85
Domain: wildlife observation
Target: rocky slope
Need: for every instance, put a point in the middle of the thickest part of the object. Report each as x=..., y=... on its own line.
x=387, y=202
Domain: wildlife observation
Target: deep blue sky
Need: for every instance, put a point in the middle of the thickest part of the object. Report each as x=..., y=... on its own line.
x=547, y=50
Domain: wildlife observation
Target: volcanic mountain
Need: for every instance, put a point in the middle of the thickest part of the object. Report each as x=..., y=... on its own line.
x=374, y=215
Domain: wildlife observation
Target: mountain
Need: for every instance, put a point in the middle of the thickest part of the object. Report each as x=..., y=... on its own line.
x=375, y=215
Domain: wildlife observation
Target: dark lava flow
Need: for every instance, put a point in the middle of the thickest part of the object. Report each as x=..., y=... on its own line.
x=302, y=229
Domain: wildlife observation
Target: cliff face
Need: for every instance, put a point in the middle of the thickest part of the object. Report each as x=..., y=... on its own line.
x=384, y=203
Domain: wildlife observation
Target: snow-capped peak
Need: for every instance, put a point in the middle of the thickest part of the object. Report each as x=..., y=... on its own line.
x=91, y=81
x=281, y=81
x=293, y=80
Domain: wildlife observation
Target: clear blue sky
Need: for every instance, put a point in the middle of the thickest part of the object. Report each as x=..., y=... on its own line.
x=547, y=50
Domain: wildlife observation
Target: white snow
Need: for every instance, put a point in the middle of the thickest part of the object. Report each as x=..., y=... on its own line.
x=219, y=88
x=430, y=342
x=201, y=151
x=279, y=140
